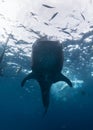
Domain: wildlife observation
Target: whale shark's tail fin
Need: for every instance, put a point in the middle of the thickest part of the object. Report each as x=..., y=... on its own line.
x=45, y=112
x=29, y=76
x=61, y=77
x=45, y=91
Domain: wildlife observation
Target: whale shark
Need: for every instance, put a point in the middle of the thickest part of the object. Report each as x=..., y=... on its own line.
x=47, y=64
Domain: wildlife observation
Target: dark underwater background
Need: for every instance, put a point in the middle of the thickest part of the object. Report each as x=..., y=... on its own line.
x=22, y=22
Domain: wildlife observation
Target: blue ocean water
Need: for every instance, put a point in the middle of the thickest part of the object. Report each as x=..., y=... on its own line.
x=69, y=108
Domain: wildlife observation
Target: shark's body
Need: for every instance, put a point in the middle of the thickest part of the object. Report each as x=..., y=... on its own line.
x=47, y=63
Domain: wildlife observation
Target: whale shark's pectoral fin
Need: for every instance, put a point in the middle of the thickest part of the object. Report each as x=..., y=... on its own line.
x=29, y=76
x=61, y=77
x=64, y=78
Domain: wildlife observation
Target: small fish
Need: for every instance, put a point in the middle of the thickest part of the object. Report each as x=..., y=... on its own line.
x=35, y=18
x=73, y=30
x=35, y=32
x=66, y=32
x=91, y=26
x=47, y=6
x=64, y=29
x=61, y=29
x=21, y=42
x=33, y=14
x=83, y=16
x=77, y=25
x=54, y=15
x=46, y=23
x=21, y=26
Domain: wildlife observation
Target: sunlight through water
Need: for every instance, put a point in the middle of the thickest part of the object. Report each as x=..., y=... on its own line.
x=27, y=21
